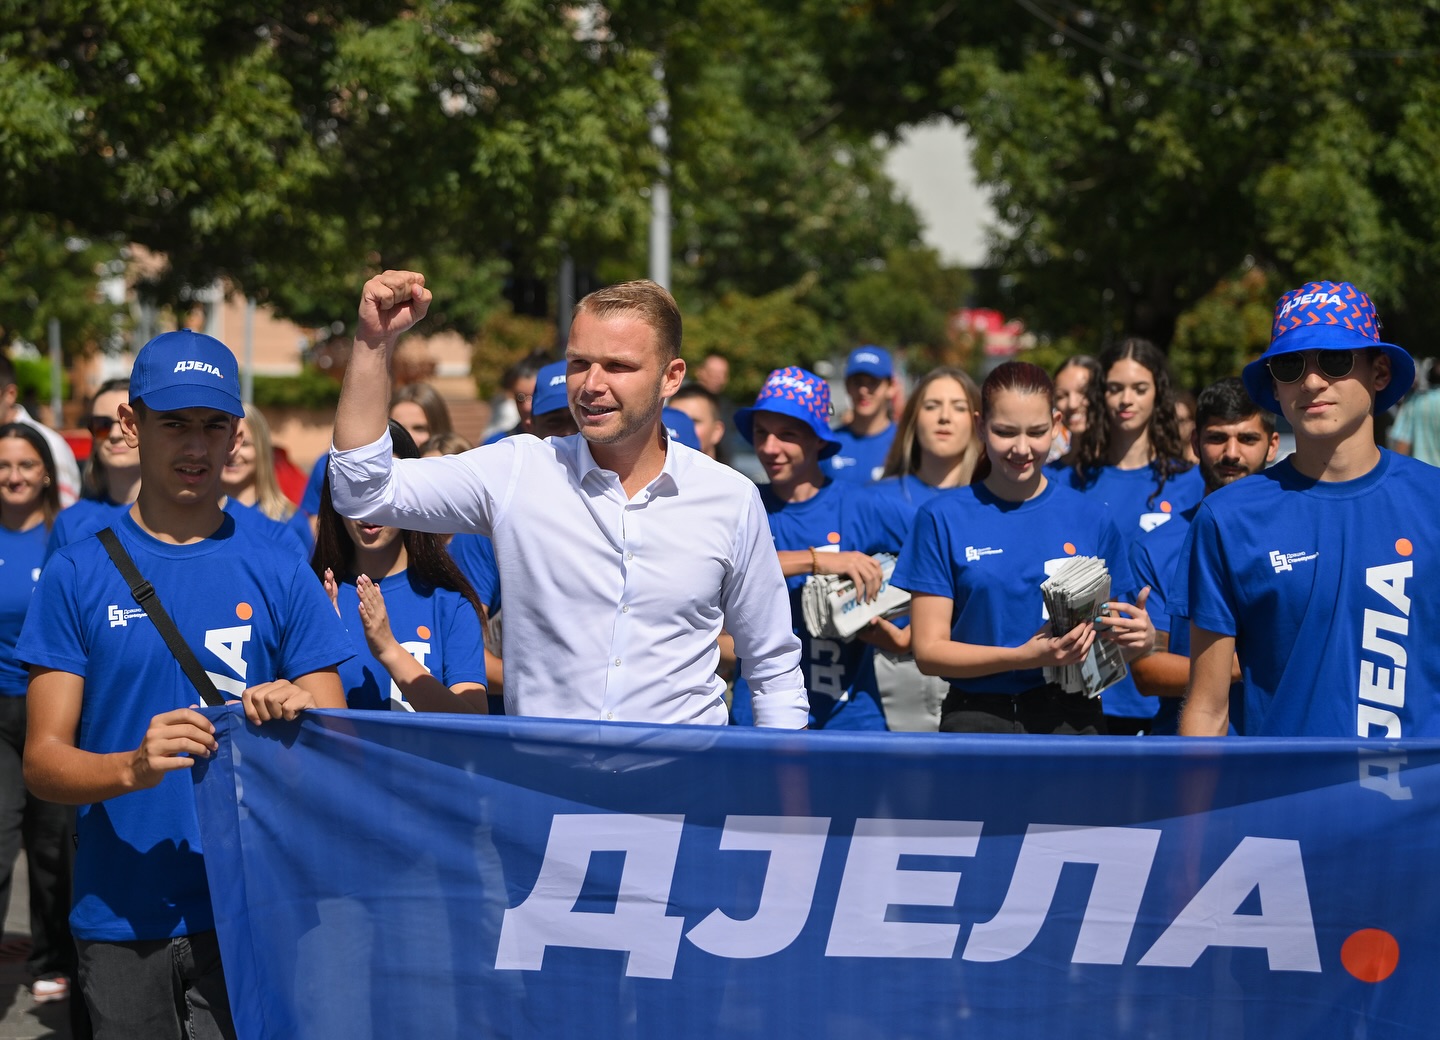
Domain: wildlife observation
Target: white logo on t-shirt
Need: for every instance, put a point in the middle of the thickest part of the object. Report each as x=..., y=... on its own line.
x=1150, y=521
x=120, y=617
x=1286, y=561
x=972, y=553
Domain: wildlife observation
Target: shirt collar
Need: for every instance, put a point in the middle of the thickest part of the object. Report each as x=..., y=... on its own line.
x=668, y=482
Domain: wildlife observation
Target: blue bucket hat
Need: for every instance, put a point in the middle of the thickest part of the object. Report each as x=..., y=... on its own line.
x=869, y=361
x=799, y=394
x=680, y=427
x=1327, y=316
x=186, y=369
x=550, y=393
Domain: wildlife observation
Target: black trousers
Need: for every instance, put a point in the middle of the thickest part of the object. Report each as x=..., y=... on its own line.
x=1043, y=709
x=46, y=830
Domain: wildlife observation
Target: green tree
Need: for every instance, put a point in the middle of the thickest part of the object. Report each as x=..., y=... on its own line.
x=906, y=303
x=758, y=335
x=294, y=149
x=48, y=271
x=1225, y=330
x=767, y=189
x=1138, y=154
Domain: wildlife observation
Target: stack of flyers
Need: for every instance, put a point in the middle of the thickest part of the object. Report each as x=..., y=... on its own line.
x=833, y=611
x=1077, y=592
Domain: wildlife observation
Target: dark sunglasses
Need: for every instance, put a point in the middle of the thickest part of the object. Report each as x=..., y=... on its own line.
x=99, y=426
x=1333, y=364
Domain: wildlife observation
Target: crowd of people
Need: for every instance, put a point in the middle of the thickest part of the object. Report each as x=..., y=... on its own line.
x=645, y=580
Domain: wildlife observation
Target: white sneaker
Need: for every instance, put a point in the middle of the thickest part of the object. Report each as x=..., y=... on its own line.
x=47, y=991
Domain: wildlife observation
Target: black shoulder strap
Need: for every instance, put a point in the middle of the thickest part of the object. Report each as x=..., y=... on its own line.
x=144, y=594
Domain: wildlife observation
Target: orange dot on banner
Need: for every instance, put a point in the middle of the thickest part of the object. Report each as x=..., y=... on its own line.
x=1403, y=547
x=244, y=611
x=834, y=537
x=1070, y=548
x=1371, y=955
x=423, y=632
x=1164, y=507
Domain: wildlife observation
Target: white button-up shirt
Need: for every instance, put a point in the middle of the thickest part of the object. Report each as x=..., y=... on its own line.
x=612, y=604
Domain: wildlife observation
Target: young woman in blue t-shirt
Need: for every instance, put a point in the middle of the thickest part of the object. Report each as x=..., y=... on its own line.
x=413, y=617
x=936, y=447
x=29, y=502
x=975, y=561
x=1132, y=461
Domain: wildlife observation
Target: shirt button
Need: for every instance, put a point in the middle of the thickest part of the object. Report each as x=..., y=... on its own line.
x=617, y=662
x=625, y=609
x=629, y=556
x=610, y=715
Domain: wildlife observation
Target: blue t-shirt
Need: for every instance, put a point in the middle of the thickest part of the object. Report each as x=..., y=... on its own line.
x=860, y=460
x=1137, y=506
x=474, y=554
x=82, y=518
x=1156, y=557
x=990, y=556
x=22, y=553
x=906, y=495
x=281, y=533
x=1331, y=591
x=1132, y=497
x=903, y=497
x=840, y=676
x=251, y=615
x=437, y=627
x=310, y=500
x=90, y=516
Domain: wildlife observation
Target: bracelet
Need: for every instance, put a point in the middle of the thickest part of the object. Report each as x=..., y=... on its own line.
x=814, y=561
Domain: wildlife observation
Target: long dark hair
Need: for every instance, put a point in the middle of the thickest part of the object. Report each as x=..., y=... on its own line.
x=50, y=493
x=1019, y=377
x=428, y=563
x=1167, y=451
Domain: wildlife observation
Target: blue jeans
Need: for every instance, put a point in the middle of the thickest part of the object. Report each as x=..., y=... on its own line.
x=156, y=989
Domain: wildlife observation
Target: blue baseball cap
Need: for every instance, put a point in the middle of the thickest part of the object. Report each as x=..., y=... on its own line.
x=1327, y=316
x=186, y=369
x=799, y=394
x=680, y=427
x=550, y=393
x=869, y=361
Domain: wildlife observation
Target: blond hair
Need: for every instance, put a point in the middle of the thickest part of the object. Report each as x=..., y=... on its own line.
x=269, y=499
x=651, y=302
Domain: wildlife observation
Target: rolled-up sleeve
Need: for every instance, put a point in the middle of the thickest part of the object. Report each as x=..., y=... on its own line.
x=445, y=495
x=757, y=615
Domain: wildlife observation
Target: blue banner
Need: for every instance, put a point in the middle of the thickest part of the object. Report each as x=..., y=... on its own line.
x=380, y=875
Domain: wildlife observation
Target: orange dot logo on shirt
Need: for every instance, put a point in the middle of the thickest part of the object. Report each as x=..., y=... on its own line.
x=1164, y=507
x=1069, y=548
x=244, y=611
x=1371, y=955
x=833, y=537
x=423, y=632
x=1403, y=547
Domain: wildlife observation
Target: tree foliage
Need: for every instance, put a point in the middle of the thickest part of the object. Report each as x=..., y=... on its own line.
x=758, y=335
x=294, y=148
x=1139, y=154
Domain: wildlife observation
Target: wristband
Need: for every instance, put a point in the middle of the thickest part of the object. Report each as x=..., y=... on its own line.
x=814, y=561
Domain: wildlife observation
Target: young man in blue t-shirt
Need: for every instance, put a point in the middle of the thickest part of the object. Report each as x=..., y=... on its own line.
x=820, y=526
x=112, y=720
x=865, y=441
x=1233, y=438
x=1321, y=573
